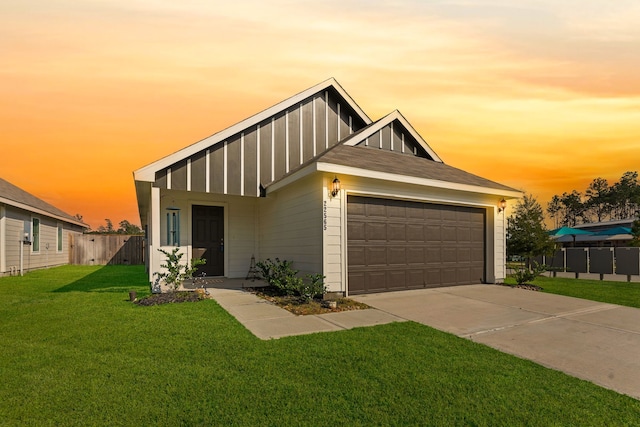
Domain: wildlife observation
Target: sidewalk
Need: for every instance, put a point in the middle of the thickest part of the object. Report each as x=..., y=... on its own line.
x=268, y=321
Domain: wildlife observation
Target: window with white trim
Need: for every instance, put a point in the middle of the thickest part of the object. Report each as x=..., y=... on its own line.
x=35, y=234
x=173, y=228
x=59, y=238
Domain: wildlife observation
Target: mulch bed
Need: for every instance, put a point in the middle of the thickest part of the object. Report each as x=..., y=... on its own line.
x=526, y=286
x=170, y=298
x=298, y=306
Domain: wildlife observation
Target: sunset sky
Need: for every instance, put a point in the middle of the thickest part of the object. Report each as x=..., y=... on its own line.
x=541, y=95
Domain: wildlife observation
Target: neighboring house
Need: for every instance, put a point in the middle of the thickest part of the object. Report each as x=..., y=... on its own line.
x=313, y=180
x=33, y=233
x=616, y=233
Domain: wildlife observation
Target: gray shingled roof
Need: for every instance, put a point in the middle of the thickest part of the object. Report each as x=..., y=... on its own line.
x=10, y=193
x=403, y=164
x=378, y=160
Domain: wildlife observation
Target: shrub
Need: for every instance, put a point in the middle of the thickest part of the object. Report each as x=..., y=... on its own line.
x=175, y=272
x=282, y=277
x=525, y=274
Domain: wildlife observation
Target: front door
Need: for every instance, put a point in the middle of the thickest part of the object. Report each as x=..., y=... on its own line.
x=208, y=239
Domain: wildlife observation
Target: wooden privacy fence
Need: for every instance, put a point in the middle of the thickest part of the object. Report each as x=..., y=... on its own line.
x=106, y=249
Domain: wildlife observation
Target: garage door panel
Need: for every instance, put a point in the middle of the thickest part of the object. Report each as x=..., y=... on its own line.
x=415, y=278
x=356, y=256
x=376, y=281
x=415, y=255
x=356, y=231
x=463, y=234
x=376, y=256
x=449, y=233
x=396, y=245
x=415, y=233
x=376, y=231
x=396, y=233
x=396, y=255
x=433, y=233
x=396, y=279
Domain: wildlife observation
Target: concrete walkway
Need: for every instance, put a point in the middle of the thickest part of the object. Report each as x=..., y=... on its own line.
x=594, y=341
x=266, y=320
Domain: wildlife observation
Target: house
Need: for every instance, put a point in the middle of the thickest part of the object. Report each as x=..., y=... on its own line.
x=369, y=204
x=614, y=233
x=33, y=233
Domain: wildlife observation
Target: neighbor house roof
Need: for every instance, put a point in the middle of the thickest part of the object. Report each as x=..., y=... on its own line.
x=17, y=197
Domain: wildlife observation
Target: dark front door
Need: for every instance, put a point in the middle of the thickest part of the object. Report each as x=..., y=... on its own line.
x=208, y=238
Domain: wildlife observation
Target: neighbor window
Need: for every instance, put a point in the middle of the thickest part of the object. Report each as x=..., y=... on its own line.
x=59, y=237
x=35, y=234
x=173, y=228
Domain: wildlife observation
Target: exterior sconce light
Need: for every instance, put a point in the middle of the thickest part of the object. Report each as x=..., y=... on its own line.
x=502, y=206
x=335, y=187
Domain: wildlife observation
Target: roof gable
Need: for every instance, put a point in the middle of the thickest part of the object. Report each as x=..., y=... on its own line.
x=343, y=115
x=393, y=133
x=17, y=197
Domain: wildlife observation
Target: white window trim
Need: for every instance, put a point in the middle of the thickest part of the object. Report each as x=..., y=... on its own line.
x=33, y=235
x=59, y=237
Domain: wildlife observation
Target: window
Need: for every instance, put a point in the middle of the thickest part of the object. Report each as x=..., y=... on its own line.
x=59, y=237
x=35, y=234
x=173, y=228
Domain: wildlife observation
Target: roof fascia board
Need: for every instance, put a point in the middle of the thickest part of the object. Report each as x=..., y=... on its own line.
x=385, y=176
x=147, y=173
x=394, y=115
x=40, y=212
x=299, y=174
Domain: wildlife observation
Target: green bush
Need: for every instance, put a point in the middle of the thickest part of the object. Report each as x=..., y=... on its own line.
x=281, y=276
x=175, y=272
x=524, y=274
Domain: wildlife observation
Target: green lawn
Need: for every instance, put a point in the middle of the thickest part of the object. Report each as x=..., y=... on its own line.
x=621, y=293
x=76, y=352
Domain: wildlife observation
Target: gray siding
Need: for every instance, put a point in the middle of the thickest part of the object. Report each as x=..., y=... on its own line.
x=48, y=255
x=261, y=154
x=391, y=137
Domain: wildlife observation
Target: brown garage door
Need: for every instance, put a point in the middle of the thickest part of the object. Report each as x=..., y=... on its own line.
x=395, y=245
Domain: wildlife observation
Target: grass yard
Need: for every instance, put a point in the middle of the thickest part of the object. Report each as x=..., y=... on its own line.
x=75, y=351
x=621, y=293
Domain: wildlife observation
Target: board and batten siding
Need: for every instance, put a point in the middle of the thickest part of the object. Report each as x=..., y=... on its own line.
x=290, y=224
x=394, y=137
x=248, y=160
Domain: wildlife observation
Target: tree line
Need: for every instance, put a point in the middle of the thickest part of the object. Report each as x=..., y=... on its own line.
x=125, y=227
x=599, y=202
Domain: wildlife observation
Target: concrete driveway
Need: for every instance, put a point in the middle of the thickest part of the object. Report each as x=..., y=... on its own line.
x=594, y=341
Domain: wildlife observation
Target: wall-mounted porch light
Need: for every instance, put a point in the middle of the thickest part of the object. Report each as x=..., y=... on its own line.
x=502, y=205
x=335, y=187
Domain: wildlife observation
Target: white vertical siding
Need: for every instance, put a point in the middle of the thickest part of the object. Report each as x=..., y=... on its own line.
x=334, y=237
x=290, y=223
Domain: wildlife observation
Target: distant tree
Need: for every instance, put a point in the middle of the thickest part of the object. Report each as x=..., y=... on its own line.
x=555, y=210
x=127, y=228
x=635, y=231
x=597, y=205
x=625, y=196
x=526, y=233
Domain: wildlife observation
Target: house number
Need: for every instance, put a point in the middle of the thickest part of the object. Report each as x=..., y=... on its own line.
x=324, y=215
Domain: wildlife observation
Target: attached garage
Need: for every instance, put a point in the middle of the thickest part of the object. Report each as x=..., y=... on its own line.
x=396, y=244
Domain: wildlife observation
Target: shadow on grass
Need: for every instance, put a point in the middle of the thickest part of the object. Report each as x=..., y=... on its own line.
x=110, y=278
